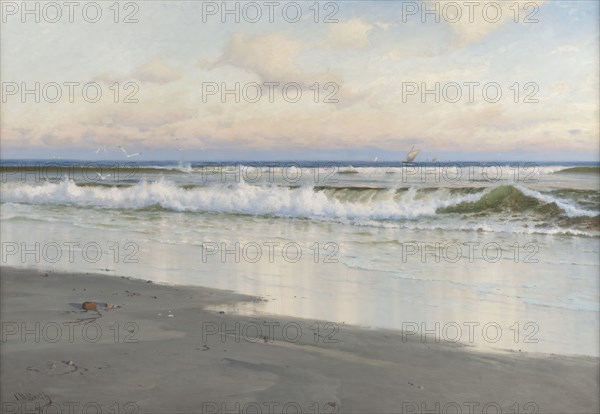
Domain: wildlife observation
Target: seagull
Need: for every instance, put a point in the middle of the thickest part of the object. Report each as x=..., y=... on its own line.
x=375, y=160
x=101, y=149
x=129, y=155
x=102, y=177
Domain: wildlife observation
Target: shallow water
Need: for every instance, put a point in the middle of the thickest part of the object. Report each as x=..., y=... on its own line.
x=498, y=264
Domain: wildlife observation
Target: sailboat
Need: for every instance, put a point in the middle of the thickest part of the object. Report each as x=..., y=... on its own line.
x=412, y=154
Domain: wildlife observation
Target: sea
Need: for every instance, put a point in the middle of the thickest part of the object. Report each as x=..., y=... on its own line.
x=493, y=256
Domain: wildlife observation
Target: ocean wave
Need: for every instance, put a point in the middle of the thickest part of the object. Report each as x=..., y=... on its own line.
x=579, y=170
x=243, y=198
x=520, y=199
x=567, y=206
x=373, y=203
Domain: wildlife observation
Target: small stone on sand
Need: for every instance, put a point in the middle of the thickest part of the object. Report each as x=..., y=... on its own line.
x=89, y=306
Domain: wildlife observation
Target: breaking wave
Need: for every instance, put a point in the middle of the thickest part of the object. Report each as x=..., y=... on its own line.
x=375, y=203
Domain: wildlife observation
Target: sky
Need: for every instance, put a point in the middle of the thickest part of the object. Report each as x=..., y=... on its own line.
x=344, y=83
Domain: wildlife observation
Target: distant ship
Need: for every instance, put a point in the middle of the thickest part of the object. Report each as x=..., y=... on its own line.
x=412, y=154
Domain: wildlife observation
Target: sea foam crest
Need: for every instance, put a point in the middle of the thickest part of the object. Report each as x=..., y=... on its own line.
x=241, y=198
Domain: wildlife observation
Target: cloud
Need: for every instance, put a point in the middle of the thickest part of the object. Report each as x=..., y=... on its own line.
x=567, y=49
x=478, y=20
x=351, y=34
x=153, y=71
x=156, y=71
x=382, y=25
x=272, y=57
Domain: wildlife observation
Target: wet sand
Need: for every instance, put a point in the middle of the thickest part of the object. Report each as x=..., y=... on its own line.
x=161, y=349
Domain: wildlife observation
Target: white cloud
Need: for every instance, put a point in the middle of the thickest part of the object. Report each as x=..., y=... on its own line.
x=351, y=34
x=477, y=20
x=157, y=71
x=272, y=57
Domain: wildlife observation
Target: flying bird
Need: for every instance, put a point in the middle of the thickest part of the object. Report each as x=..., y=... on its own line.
x=101, y=149
x=129, y=155
x=102, y=177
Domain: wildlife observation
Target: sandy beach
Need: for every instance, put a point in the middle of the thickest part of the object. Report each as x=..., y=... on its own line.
x=161, y=349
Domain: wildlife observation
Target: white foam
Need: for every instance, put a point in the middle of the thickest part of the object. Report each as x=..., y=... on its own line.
x=567, y=206
x=238, y=198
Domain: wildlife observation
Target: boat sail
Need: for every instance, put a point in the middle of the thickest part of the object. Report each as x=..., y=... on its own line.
x=412, y=154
